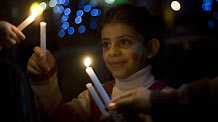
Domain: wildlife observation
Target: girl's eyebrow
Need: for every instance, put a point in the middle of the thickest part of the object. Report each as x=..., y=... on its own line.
x=105, y=39
x=130, y=36
x=122, y=36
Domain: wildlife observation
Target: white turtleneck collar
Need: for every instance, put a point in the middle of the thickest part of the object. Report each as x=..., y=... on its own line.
x=141, y=78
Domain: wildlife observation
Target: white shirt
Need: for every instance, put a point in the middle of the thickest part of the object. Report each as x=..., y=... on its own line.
x=142, y=78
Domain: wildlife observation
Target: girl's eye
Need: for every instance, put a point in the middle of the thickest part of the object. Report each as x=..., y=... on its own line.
x=125, y=43
x=105, y=44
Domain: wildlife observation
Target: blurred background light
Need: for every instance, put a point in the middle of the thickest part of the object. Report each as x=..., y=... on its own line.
x=64, y=18
x=208, y=1
x=70, y=30
x=60, y=1
x=206, y=7
x=87, y=8
x=52, y=3
x=211, y=24
x=99, y=12
x=79, y=13
x=61, y=9
x=78, y=19
x=175, y=5
x=67, y=11
x=56, y=9
x=65, y=25
x=36, y=9
x=61, y=33
x=94, y=12
x=82, y=29
x=215, y=15
x=43, y=5
x=93, y=3
x=66, y=3
x=109, y=1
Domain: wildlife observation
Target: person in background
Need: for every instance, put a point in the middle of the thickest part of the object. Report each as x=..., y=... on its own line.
x=129, y=37
x=14, y=87
x=196, y=101
x=10, y=35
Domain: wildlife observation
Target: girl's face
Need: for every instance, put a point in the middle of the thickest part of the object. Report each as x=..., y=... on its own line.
x=124, y=52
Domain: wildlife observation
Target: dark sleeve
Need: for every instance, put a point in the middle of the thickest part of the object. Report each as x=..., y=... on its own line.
x=66, y=113
x=193, y=101
x=17, y=104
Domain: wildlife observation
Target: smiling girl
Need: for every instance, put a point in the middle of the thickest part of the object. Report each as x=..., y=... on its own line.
x=129, y=38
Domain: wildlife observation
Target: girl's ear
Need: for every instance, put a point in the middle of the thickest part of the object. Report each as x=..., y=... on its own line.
x=152, y=48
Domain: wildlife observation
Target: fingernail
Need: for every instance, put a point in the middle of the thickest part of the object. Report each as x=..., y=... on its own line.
x=13, y=41
x=112, y=106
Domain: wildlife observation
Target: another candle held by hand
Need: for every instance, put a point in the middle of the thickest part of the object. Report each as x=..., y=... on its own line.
x=36, y=10
x=43, y=39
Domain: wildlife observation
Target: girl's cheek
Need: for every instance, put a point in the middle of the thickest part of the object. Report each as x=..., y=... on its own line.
x=137, y=57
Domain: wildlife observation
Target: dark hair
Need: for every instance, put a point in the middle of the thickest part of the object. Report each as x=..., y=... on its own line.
x=136, y=16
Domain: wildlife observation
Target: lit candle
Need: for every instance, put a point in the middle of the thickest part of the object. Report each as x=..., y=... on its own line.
x=27, y=21
x=96, y=82
x=96, y=98
x=100, y=89
x=43, y=38
x=36, y=10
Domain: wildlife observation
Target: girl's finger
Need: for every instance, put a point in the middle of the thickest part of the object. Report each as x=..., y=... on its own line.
x=32, y=70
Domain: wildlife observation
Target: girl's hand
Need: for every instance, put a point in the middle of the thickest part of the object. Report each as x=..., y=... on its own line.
x=37, y=66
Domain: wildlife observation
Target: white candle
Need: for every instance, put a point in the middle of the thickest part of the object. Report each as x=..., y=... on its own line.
x=98, y=85
x=96, y=98
x=26, y=22
x=43, y=38
x=100, y=89
x=36, y=10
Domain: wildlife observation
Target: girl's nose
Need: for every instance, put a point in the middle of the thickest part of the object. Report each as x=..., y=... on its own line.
x=114, y=50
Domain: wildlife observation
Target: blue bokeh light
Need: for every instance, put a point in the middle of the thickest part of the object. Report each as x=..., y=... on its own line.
x=93, y=25
x=211, y=24
x=82, y=29
x=66, y=2
x=70, y=30
x=64, y=18
x=56, y=9
x=206, y=7
x=93, y=3
x=215, y=15
x=87, y=8
x=208, y=1
x=61, y=33
x=99, y=12
x=67, y=11
x=79, y=13
x=78, y=20
x=65, y=25
x=94, y=12
x=61, y=9
x=60, y=1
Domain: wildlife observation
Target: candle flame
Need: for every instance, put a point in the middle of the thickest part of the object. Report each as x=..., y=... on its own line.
x=36, y=9
x=34, y=13
x=87, y=61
